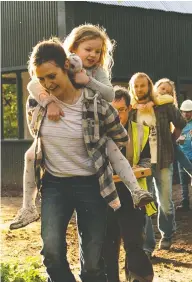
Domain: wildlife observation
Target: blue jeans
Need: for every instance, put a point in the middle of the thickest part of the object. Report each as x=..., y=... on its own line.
x=151, y=186
x=150, y=242
x=166, y=212
x=60, y=197
x=184, y=162
x=184, y=181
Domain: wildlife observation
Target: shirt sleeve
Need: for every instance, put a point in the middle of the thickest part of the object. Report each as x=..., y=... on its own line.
x=175, y=117
x=100, y=82
x=38, y=92
x=114, y=129
x=162, y=99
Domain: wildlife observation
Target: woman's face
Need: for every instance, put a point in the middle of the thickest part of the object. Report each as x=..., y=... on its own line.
x=141, y=87
x=52, y=78
x=90, y=52
x=165, y=88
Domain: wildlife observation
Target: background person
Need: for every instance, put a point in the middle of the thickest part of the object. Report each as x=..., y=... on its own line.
x=127, y=222
x=185, y=143
x=158, y=118
x=164, y=90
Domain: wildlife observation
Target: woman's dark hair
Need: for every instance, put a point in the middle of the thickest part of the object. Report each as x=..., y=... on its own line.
x=122, y=92
x=45, y=51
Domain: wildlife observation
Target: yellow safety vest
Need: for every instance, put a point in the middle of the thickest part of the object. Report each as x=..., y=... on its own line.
x=140, y=135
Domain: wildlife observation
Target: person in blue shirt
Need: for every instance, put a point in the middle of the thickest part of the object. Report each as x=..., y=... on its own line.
x=185, y=143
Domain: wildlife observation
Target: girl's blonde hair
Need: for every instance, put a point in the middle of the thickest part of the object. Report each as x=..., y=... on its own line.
x=131, y=85
x=172, y=84
x=88, y=32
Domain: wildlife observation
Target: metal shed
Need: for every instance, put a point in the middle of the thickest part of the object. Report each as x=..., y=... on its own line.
x=153, y=37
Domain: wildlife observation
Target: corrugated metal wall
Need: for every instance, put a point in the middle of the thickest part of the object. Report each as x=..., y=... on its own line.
x=155, y=42
x=158, y=43
x=12, y=157
x=23, y=24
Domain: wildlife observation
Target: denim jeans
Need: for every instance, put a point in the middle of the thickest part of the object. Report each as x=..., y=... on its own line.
x=184, y=181
x=184, y=162
x=60, y=197
x=151, y=186
x=166, y=212
x=150, y=242
x=126, y=223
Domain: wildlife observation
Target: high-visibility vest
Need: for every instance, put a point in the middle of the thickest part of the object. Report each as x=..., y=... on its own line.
x=140, y=135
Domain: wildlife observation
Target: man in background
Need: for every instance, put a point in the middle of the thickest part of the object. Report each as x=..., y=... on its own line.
x=127, y=222
x=185, y=143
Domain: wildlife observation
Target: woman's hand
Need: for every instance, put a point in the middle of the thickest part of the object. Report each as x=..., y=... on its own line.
x=54, y=111
x=81, y=77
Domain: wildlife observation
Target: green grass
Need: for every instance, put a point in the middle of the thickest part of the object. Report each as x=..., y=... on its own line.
x=29, y=272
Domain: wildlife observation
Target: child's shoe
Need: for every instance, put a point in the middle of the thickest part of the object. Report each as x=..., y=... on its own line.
x=24, y=217
x=141, y=198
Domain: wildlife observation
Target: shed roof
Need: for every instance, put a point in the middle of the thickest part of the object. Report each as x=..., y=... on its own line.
x=184, y=7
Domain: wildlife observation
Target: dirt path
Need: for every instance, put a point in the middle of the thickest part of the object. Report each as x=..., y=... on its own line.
x=169, y=266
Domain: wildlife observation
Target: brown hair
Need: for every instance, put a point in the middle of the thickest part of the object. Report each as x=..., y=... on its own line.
x=122, y=92
x=172, y=84
x=45, y=51
x=87, y=32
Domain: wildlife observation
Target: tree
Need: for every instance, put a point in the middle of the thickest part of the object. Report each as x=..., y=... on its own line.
x=10, y=120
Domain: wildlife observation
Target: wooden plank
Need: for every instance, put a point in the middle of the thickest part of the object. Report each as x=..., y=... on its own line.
x=138, y=171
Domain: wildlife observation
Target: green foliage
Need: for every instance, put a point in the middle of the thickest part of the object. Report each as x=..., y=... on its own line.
x=30, y=272
x=10, y=110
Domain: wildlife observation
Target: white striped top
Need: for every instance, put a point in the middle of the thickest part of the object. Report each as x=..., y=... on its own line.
x=63, y=143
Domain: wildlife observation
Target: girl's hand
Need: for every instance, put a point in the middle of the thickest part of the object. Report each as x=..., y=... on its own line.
x=54, y=111
x=149, y=106
x=140, y=107
x=81, y=77
x=145, y=107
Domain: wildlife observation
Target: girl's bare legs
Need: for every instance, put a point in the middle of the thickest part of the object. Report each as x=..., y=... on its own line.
x=29, y=186
x=28, y=213
x=123, y=169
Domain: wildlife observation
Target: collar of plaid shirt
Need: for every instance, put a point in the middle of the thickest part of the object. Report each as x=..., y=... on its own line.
x=100, y=121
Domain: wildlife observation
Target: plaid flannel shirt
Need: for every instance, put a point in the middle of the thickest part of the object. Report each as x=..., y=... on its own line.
x=100, y=121
x=165, y=114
